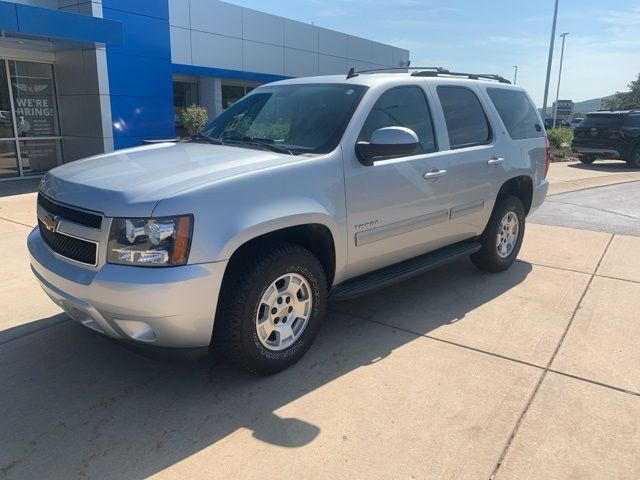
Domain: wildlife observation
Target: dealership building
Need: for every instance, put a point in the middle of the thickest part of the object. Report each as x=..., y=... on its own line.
x=79, y=77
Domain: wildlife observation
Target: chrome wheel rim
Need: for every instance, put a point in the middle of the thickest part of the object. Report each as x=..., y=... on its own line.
x=508, y=232
x=283, y=312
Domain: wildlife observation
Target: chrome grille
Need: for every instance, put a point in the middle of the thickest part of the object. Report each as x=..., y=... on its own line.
x=81, y=217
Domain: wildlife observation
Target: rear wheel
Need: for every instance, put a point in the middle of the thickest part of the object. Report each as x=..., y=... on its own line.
x=270, y=308
x=586, y=159
x=502, y=238
x=634, y=159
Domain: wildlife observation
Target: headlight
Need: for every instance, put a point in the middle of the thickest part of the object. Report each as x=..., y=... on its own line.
x=150, y=242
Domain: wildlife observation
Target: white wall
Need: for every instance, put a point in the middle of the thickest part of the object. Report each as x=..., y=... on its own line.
x=211, y=33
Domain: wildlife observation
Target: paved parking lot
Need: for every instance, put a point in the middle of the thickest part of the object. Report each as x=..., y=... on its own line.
x=612, y=208
x=531, y=373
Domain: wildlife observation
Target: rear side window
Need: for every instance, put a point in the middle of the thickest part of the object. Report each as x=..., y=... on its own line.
x=605, y=120
x=517, y=113
x=632, y=121
x=402, y=107
x=466, y=121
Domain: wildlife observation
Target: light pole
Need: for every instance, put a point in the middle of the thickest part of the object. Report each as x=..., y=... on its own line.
x=515, y=75
x=546, y=84
x=555, y=109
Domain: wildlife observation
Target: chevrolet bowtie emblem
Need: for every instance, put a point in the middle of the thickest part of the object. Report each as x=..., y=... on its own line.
x=51, y=222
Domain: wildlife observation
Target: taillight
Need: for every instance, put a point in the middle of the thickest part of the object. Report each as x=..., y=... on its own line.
x=548, y=159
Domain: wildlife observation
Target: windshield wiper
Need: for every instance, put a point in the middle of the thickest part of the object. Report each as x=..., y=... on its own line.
x=264, y=142
x=201, y=137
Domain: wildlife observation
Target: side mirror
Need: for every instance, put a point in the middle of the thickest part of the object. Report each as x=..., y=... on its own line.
x=387, y=142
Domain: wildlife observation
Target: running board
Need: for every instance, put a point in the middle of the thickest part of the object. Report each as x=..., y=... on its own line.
x=401, y=271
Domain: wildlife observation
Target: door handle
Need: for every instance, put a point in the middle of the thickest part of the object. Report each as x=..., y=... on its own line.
x=434, y=174
x=495, y=161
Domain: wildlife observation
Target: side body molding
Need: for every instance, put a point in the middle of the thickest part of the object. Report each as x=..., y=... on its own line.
x=398, y=228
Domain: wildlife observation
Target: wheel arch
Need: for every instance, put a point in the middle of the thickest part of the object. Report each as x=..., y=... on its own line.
x=315, y=234
x=520, y=187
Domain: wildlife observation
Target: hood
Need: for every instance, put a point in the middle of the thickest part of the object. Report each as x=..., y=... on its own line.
x=131, y=182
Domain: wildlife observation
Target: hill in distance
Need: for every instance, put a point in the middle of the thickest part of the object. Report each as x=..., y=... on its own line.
x=582, y=108
x=587, y=106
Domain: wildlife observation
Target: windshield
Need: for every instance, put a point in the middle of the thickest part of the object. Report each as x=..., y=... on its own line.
x=303, y=118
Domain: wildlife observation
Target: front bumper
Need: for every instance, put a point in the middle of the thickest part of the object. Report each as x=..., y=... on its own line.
x=167, y=307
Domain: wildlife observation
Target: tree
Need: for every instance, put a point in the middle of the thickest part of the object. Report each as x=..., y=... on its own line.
x=625, y=100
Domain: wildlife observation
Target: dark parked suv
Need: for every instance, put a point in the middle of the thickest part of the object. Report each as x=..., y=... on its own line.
x=609, y=135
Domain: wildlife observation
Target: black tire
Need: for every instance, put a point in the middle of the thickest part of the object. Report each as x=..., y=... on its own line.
x=634, y=159
x=235, y=336
x=586, y=159
x=488, y=258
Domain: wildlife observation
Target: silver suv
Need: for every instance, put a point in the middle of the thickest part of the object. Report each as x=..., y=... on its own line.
x=304, y=190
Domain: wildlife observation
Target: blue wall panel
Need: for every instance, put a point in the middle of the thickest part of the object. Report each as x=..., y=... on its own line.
x=134, y=118
x=47, y=22
x=147, y=73
x=140, y=70
x=8, y=16
x=150, y=8
x=142, y=35
x=224, y=73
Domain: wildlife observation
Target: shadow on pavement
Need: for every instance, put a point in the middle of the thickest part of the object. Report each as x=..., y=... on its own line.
x=603, y=166
x=14, y=333
x=76, y=405
x=19, y=187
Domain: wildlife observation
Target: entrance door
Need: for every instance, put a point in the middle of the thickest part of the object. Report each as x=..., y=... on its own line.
x=9, y=166
x=29, y=127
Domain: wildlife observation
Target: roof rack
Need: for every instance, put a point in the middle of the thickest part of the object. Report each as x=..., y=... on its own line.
x=430, y=72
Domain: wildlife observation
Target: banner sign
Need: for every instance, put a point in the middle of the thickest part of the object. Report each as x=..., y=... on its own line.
x=35, y=106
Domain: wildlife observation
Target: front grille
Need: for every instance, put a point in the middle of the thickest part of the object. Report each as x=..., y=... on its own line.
x=88, y=219
x=76, y=249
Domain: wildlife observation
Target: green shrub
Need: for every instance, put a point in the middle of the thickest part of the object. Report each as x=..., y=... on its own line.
x=560, y=137
x=194, y=117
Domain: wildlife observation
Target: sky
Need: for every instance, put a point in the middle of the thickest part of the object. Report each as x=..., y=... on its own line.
x=602, y=51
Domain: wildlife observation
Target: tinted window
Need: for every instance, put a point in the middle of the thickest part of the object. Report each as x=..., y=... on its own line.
x=402, y=107
x=305, y=118
x=466, y=122
x=602, y=120
x=517, y=113
x=632, y=121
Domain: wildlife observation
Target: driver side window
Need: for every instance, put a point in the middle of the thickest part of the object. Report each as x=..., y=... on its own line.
x=402, y=107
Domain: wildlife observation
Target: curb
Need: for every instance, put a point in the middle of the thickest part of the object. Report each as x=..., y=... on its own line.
x=593, y=182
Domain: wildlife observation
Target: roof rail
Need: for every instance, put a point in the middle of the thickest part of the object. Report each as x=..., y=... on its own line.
x=430, y=72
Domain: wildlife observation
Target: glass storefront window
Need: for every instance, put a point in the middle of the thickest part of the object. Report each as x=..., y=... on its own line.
x=34, y=98
x=8, y=160
x=184, y=94
x=38, y=156
x=232, y=91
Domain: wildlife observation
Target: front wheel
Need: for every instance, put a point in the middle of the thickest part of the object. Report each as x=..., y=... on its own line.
x=270, y=308
x=634, y=158
x=502, y=237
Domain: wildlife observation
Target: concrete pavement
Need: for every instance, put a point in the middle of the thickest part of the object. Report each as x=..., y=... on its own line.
x=572, y=176
x=531, y=373
x=613, y=208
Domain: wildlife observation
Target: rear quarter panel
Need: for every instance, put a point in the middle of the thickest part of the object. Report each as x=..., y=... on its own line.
x=526, y=157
